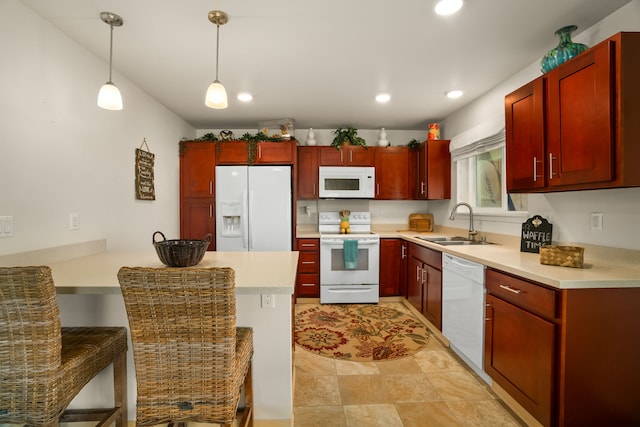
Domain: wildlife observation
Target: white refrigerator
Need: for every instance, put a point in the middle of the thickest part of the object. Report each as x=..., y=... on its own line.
x=253, y=208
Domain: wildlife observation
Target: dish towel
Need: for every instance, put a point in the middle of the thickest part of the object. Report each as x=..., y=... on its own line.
x=350, y=249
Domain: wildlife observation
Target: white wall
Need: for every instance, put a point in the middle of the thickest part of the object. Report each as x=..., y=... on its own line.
x=60, y=153
x=567, y=211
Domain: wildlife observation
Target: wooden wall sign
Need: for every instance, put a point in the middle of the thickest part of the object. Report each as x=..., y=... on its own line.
x=536, y=231
x=144, y=174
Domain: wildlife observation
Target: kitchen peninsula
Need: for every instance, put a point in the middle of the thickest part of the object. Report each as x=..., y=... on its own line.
x=89, y=292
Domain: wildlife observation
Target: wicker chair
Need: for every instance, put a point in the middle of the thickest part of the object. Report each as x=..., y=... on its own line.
x=43, y=366
x=191, y=361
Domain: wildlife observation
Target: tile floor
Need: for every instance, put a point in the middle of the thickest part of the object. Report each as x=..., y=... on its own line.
x=431, y=388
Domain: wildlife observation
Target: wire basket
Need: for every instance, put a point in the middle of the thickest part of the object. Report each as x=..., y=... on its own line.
x=563, y=256
x=180, y=252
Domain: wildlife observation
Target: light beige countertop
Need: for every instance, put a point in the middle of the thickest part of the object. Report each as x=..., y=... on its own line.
x=256, y=272
x=603, y=267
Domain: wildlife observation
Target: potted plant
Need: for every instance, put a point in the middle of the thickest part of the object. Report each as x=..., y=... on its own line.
x=347, y=136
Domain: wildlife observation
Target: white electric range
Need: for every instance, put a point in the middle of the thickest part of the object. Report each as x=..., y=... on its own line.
x=340, y=284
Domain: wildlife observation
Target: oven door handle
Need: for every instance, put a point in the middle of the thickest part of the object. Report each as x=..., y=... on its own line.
x=340, y=241
x=348, y=290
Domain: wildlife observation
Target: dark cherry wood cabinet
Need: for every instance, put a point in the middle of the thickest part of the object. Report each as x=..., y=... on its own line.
x=394, y=174
x=346, y=156
x=520, y=344
x=393, y=267
x=238, y=152
x=587, y=108
x=580, y=113
x=424, y=282
x=276, y=152
x=433, y=170
x=525, y=142
x=307, y=169
x=568, y=356
x=197, y=199
x=415, y=288
x=308, y=276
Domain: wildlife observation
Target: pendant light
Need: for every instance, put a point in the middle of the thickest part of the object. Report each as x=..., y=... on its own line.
x=216, y=94
x=109, y=96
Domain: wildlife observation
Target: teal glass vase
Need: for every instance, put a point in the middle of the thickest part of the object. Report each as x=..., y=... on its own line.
x=565, y=50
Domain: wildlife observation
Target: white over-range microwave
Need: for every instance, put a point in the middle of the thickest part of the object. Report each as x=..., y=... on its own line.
x=347, y=182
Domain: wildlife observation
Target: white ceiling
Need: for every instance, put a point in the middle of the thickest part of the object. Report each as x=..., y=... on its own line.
x=320, y=62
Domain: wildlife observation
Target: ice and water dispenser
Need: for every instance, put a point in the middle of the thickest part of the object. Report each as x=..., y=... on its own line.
x=231, y=218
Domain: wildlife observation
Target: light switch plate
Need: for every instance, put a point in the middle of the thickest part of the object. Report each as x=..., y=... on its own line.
x=596, y=221
x=6, y=226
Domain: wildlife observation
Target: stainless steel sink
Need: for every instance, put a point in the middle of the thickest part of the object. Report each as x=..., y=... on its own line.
x=444, y=239
x=454, y=241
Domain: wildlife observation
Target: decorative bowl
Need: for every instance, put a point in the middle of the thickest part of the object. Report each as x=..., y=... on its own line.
x=180, y=252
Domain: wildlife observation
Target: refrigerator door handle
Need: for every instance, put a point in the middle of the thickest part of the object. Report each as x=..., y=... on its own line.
x=251, y=219
x=245, y=220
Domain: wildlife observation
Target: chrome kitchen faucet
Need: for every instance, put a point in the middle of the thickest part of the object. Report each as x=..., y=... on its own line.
x=472, y=232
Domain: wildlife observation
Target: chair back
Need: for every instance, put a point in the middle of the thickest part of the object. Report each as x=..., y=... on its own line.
x=182, y=323
x=30, y=343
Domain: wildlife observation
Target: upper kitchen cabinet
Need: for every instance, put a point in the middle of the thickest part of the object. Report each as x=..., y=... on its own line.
x=197, y=201
x=434, y=170
x=524, y=126
x=243, y=152
x=347, y=155
x=588, y=114
x=307, y=169
x=394, y=174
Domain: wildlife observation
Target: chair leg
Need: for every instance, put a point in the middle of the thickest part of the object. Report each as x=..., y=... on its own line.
x=120, y=388
x=247, y=414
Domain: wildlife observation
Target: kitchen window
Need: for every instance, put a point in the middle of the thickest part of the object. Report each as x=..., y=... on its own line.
x=481, y=178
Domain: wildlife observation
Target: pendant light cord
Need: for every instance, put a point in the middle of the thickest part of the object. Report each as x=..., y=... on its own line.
x=110, y=51
x=217, y=48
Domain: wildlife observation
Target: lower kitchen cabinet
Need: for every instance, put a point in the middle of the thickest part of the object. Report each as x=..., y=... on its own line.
x=567, y=356
x=424, y=282
x=197, y=219
x=519, y=344
x=393, y=267
x=308, y=278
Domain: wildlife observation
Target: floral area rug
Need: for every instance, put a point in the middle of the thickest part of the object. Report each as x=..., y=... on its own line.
x=359, y=332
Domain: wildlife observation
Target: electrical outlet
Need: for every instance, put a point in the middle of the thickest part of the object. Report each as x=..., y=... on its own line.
x=267, y=301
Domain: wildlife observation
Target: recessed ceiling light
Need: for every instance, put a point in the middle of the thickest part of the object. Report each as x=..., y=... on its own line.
x=453, y=94
x=383, y=97
x=245, y=97
x=448, y=7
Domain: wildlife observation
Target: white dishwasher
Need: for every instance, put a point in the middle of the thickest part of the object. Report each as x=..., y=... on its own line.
x=463, y=310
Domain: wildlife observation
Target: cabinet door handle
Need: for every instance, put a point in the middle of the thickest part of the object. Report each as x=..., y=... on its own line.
x=551, y=166
x=422, y=187
x=314, y=189
x=307, y=284
x=424, y=271
x=210, y=187
x=535, y=168
x=308, y=245
x=418, y=274
x=404, y=252
x=350, y=156
x=377, y=189
x=510, y=289
x=308, y=262
x=259, y=151
x=210, y=211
